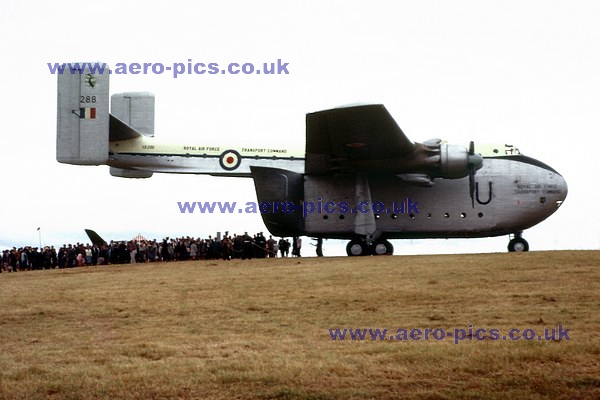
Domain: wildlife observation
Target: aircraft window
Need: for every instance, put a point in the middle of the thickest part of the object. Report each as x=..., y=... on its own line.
x=446, y=215
x=342, y=216
x=325, y=216
x=429, y=215
x=542, y=200
x=480, y=215
x=412, y=216
x=377, y=216
x=462, y=215
x=394, y=216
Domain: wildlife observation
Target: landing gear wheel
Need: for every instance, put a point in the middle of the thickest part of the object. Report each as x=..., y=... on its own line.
x=518, y=244
x=382, y=247
x=356, y=247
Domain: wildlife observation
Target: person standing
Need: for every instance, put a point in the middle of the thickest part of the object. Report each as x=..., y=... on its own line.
x=193, y=250
x=298, y=246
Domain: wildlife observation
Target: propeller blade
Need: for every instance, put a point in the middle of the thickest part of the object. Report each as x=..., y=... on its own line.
x=472, y=185
x=475, y=162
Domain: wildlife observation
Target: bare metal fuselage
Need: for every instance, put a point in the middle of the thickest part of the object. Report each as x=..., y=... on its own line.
x=511, y=195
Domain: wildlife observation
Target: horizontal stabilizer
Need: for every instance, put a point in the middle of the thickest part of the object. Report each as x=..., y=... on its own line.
x=119, y=130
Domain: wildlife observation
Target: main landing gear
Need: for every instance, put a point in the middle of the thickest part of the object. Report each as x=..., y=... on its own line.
x=359, y=247
x=517, y=243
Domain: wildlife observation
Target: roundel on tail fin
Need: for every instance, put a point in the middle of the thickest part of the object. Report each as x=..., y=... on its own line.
x=230, y=160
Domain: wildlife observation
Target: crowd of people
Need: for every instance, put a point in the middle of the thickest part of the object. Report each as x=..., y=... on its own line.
x=142, y=250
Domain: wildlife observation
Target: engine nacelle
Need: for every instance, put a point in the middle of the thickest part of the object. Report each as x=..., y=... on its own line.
x=454, y=161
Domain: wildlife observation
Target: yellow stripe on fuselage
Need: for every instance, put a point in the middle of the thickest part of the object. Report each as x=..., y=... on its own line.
x=146, y=145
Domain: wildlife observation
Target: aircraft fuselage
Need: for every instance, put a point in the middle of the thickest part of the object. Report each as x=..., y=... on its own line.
x=512, y=192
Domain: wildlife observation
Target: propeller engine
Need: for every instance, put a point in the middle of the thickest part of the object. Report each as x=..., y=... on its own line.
x=458, y=162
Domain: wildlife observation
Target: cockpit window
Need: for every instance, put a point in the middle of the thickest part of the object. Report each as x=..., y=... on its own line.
x=496, y=149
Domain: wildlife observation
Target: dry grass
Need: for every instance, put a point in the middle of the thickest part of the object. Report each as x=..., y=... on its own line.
x=259, y=329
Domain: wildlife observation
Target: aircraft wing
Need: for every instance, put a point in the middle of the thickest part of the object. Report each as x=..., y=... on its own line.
x=337, y=138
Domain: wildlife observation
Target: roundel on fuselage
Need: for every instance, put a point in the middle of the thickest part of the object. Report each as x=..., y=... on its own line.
x=230, y=160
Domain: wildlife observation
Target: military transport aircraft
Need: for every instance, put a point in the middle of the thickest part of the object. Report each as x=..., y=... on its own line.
x=373, y=183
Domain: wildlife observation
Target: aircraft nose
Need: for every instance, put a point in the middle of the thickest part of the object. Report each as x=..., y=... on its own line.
x=563, y=189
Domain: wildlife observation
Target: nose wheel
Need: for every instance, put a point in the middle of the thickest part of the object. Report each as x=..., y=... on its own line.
x=518, y=244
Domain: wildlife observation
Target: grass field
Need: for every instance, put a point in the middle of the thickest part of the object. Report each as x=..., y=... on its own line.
x=260, y=329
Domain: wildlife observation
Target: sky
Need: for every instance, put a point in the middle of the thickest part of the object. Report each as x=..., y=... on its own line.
x=518, y=72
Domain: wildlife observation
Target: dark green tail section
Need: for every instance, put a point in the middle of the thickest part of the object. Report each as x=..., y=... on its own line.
x=95, y=238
